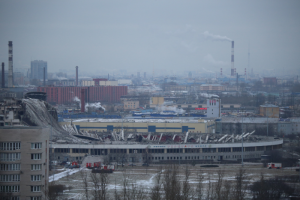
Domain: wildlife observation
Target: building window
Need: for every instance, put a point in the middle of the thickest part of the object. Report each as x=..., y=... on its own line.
x=36, y=167
x=35, y=198
x=36, y=177
x=9, y=177
x=36, y=145
x=10, y=156
x=10, y=167
x=36, y=156
x=9, y=188
x=10, y=146
x=36, y=188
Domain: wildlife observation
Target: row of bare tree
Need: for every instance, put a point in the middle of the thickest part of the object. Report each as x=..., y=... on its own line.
x=174, y=183
x=168, y=185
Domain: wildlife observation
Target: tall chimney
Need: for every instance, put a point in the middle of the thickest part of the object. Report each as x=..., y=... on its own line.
x=221, y=72
x=10, y=65
x=76, y=75
x=82, y=96
x=3, y=76
x=232, y=58
x=44, y=76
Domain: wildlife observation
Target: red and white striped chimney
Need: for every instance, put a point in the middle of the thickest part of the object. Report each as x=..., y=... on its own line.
x=232, y=59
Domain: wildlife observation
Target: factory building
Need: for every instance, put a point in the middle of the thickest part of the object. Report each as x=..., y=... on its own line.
x=62, y=95
x=24, y=161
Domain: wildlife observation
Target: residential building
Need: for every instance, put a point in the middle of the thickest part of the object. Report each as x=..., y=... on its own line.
x=215, y=87
x=213, y=107
x=24, y=161
x=131, y=105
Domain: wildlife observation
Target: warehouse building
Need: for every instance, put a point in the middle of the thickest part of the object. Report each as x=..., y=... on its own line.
x=144, y=126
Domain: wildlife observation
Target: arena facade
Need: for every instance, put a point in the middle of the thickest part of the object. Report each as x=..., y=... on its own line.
x=205, y=151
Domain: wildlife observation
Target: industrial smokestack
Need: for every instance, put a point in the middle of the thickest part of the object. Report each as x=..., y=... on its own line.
x=76, y=75
x=82, y=97
x=221, y=72
x=3, y=76
x=10, y=65
x=44, y=76
x=232, y=58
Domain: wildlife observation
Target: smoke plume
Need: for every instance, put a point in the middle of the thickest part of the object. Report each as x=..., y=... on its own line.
x=210, y=36
x=91, y=105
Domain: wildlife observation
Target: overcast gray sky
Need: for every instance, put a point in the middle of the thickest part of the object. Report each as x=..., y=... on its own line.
x=168, y=36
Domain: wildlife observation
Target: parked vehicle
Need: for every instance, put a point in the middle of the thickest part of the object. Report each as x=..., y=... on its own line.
x=145, y=164
x=274, y=165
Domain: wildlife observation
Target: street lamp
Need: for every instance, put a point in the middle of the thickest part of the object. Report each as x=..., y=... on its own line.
x=267, y=126
x=242, y=143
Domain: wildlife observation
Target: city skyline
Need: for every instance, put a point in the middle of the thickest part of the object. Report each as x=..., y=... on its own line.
x=106, y=37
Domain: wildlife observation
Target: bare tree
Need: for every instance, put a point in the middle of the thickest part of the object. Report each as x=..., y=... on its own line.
x=171, y=184
x=54, y=191
x=125, y=183
x=187, y=192
x=209, y=189
x=218, y=186
x=85, y=182
x=156, y=189
x=199, y=188
x=116, y=195
x=226, y=192
x=100, y=182
x=240, y=185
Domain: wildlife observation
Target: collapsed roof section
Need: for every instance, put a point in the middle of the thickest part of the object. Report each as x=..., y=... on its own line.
x=34, y=112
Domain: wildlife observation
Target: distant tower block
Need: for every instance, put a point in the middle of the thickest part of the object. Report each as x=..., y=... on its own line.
x=144, y=74
x=232, y=59
x=234, y=73
x=213, y=105
x=10, y=82
x=44, y=78
x=3, y=76
x=76, y=75
x=221, y=72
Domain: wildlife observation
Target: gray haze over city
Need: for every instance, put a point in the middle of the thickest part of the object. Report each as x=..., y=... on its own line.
x=167, y=37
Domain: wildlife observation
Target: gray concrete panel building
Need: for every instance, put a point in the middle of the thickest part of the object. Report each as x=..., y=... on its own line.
x=37, y=69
